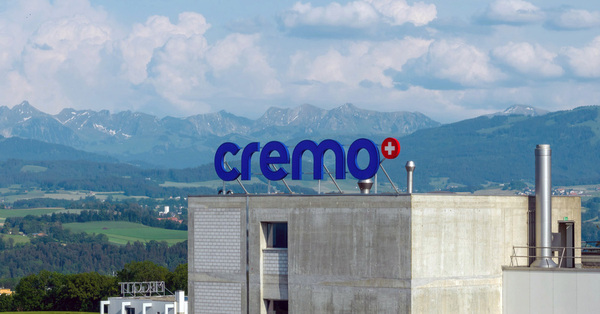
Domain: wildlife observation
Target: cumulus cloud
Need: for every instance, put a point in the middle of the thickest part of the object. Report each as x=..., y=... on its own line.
x=528, y=59
x=138, y=48
x=241, y=65
x=516, y=12
x=359, y=14
x=459, y=62
x=359, y=63
x=354, y=14
x=47, y=44
x=399, y=12
x=584, y=62
x=574, y=19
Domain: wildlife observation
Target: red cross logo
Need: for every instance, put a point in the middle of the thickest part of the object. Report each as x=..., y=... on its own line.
x=390, y=148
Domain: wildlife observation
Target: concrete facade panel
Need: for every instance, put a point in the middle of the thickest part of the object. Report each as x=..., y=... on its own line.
x=419, y=253
x=559, y=290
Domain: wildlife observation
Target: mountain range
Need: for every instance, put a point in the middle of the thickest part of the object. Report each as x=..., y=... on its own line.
x=490, y=148
x=186, y=142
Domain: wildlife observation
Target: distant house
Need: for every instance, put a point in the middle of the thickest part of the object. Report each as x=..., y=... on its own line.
x=5, y=291
x=174, y=219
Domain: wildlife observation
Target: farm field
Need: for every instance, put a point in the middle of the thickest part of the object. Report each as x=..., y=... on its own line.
x=121, y=232
x=5, y=213
x=18, y=239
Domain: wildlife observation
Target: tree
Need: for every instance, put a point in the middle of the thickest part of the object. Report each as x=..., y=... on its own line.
x=178, y=279
x=142, y=271
x=6, y=302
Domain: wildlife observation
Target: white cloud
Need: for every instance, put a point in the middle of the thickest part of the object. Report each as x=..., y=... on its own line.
x=138, y=48
x=574, y=19
x=46, y=44
x=528, y=59
x=512, y=12
x=360, y=62
x=354, y=14
x=585, y=62
x=459, y=62
x=240, y=66
x=359, y=14
x=400, y=12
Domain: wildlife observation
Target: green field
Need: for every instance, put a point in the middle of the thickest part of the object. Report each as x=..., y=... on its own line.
x=5, y=213
x=17, y=238
x=121, y=232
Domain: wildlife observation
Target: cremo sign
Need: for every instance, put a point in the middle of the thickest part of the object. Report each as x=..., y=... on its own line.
x=275, y=154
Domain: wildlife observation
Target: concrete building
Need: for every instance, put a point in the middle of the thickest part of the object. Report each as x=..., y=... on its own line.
x=144, y=305
x=412, y=253
x=145, y=298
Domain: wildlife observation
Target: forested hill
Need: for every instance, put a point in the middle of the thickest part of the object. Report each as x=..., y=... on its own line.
x=28, y=149
x=501, y=149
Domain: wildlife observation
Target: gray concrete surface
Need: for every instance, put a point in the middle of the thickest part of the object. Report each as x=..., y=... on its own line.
x=419, y=253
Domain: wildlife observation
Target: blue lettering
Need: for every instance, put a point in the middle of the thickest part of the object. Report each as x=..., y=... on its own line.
x=247, y=157
x=318, y=151
x=266, y=160
x=223, y=173
x=282, y=156
x=371, y=169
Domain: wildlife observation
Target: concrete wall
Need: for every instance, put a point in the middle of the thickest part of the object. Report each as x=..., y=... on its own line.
x=349, y=253
x=141, y=305
x=419, y=253
x=461, y=242
x=535, y=290
x=217, y=255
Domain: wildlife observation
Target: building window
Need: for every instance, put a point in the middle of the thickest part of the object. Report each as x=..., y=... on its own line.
x=276, y=306
x=277, y=235
x=130, y=310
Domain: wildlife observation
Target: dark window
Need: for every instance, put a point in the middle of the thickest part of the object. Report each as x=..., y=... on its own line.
x=130, y=310
x=277, y=306
x=277, y=234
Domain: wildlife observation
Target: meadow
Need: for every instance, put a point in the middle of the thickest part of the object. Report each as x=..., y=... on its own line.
x=121, y=232
x=6, y=213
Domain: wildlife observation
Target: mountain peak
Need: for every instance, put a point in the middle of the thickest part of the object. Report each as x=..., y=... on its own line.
x=521, y=110
x=25, y=108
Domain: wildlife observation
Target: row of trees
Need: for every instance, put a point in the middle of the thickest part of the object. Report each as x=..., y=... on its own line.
x=104, y=177
x=53, y=291
x=98, y=211
x=99, y=256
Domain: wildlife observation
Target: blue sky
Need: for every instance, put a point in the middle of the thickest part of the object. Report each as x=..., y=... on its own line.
x=450, y=60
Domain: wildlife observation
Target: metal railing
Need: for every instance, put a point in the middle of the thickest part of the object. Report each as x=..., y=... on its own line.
x=560, y=255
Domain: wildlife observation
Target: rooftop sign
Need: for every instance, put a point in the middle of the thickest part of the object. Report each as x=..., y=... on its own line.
x=275, y=154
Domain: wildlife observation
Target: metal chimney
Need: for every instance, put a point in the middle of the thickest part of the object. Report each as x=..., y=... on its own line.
x=543, y=207
x=410, y=168
x=365, y=186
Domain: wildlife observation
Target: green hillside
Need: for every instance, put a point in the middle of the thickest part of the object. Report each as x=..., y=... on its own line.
x=122, y=232
x=501, y=149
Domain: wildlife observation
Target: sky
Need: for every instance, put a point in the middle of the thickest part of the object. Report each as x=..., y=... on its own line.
x=450, y=60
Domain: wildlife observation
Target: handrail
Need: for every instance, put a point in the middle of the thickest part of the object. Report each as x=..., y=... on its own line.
x=514, y=258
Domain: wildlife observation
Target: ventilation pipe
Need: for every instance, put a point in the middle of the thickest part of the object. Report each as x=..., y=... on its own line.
x=410, y=168
x=180, y=302
x=543, y=207
x=365, y=186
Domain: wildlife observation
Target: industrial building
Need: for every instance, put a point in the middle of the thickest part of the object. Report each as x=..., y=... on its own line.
x=396, y=253
x=145, y=298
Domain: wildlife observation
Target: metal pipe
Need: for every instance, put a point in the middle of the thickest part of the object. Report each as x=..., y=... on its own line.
x=543, y=207
x=237, y=179
x=388, y=177
x=365, y=186
x=410, y=168
x=332, y=179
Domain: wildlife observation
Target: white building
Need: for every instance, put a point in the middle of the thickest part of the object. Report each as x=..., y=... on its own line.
x=131, y=302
